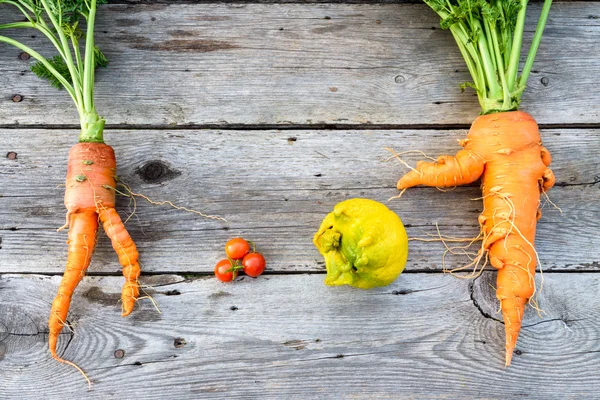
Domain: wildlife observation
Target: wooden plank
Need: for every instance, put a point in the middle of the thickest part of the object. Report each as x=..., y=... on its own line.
x=274, y=187
x=292, y=337
x=356, y=64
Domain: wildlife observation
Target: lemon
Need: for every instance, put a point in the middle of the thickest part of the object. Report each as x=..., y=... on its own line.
x=364, y=244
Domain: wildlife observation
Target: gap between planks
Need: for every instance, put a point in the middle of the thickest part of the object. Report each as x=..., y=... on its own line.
x=287, y=127
x=203, y=275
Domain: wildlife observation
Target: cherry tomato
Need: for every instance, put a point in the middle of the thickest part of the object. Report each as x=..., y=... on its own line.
x=254, y=264
x=237, y=248
x=222, y=271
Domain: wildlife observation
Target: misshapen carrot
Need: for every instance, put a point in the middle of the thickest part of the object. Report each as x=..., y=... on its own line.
x=505, y=150
x=91, y=182
x=90, y=197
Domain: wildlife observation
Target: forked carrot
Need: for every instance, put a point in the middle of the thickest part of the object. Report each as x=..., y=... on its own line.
x=89, y=198
x=91, y=180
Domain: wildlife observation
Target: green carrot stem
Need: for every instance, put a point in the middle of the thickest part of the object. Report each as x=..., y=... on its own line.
x=89, y=64
x=66, y=51
x=537, y=38
x=41, y=59
x=515, y=54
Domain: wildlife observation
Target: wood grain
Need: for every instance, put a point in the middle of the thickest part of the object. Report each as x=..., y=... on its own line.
x=274, y=187
x=292, y=337
x=300, y=64
x=181, y=69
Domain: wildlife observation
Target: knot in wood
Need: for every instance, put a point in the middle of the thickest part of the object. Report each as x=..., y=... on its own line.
x=179, y=342
x=153, y=170
x=156, y=171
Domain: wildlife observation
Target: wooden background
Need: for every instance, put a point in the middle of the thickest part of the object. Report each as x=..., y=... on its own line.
x=268, y=114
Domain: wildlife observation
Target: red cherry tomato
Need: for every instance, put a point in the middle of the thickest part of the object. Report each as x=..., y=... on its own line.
x=224, y=271
x=254, y=264
x=237, y=248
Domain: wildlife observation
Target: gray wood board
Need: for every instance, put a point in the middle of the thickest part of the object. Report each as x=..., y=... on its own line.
x=274, y=187
x=292, y=337
x=268, y=64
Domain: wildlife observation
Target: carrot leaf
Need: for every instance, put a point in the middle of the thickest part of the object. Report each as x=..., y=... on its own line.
x=71, y=69
x=489, y=34
x=62, y=68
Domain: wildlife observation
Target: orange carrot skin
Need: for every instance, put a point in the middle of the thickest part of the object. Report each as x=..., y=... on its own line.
x=82, y=241
x=91, y=170
x=128, y=256
x=505, y=150
x=90, y=197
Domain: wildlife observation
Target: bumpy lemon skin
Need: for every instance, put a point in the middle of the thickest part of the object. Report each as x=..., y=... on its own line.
x=364, y=244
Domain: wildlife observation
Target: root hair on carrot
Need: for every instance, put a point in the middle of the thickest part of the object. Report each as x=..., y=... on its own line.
x=441, y=238
x=66, y=323
x=131, y=193
x=152, y=300
x=475, y=257
x=149, y=297
x=547, y=198
x=55, y=356
x=476, y=264
x=397, y=157
x=398, y=196
x=72, y=364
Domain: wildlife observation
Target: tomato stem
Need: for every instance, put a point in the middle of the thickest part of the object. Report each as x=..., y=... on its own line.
x=235, y=267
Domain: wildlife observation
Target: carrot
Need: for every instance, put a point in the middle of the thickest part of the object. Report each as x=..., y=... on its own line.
x=89, y=197
x=91, y=180
x=503, y=146
x=514, y=170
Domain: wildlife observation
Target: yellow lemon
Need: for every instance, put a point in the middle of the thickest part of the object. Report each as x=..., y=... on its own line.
x=364, y=244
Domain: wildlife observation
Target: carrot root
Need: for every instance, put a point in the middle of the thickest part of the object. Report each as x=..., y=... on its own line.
x=82, y=241
x=128, y=256
x=89, y=198
x=505, y=150
x=72, y=364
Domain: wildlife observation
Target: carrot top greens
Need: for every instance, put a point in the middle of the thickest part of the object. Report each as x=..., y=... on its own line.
x=489, y=34
x=58, y=21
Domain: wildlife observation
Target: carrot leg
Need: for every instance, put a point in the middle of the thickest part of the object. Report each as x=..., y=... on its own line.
x=128, y=256
x=81, y=241
x=466, y=167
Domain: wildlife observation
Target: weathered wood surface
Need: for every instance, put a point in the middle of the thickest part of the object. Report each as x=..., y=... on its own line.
x=253, y=68
x=293, y=337
x=356, y=64
x=274, y=187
